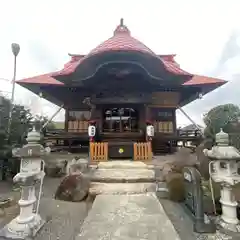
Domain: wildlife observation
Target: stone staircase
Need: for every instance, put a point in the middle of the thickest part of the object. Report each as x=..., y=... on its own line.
x=122, y=177
x=160, y=148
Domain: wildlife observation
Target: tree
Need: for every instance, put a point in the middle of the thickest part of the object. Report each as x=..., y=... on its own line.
x=41, y=120
x=21, y=121
x=223, y=116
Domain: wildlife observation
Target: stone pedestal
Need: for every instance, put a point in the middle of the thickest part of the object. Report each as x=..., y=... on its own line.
x=27, y=223
x=228, y=221
x=22, y=230
x=229, y=205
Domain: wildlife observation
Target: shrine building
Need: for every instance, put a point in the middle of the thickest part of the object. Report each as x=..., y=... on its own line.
x=121, y=87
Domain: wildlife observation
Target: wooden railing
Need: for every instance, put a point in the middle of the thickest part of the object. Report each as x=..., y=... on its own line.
x=142, y=151
x=188, y=133
x=98, y=151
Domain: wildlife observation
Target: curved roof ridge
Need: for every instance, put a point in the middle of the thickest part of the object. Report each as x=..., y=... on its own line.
x=121, y=40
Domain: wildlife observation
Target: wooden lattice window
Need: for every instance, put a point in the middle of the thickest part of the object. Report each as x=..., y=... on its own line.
x=163, y=126
x=78, y=121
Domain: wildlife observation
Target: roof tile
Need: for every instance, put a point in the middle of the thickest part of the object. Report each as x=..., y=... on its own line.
x=123, y=41
x=197, y=80
x=41, y=79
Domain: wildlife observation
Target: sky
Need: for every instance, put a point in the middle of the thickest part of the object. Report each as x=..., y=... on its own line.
x=205, y=35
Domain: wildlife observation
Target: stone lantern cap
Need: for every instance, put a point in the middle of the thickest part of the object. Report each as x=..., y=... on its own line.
x=222, y=150
x=33, y=136
x=33, y=148
x=222, y=138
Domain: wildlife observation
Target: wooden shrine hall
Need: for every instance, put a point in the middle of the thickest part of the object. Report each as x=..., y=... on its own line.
x=120, y=87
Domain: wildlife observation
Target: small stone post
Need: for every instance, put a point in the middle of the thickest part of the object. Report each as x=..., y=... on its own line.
x=225, y=169
x=28, y=222
x=194, y=200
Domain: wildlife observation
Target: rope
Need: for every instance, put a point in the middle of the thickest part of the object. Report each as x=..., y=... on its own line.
x=40, y=189
x=211, y=187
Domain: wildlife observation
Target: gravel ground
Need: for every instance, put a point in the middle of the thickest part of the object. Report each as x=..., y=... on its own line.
x=63, y=219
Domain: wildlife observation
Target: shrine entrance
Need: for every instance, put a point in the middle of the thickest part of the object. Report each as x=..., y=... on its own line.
x=121, y=129
x=121, y=120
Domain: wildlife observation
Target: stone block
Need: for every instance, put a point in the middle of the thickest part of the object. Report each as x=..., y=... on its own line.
x=162, y=190
x=121, y=176
x=122, y=165
x=77, y=166
x=73, y=188
x=121, y=188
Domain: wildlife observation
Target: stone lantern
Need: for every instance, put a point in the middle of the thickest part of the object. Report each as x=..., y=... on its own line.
x=28, y=222
x=224, y=168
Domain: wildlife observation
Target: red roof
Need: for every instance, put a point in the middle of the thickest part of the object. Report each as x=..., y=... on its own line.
x=49, y=80
x=123, y=41
x=41, y=79
x=198, y=80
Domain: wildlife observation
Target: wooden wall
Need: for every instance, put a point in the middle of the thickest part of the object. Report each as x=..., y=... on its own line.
x=165, y=99
x=162, y=111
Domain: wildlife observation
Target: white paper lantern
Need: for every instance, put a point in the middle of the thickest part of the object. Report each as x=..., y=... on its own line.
x=91, y=131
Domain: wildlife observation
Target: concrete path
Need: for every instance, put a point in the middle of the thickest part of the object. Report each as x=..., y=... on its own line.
x=127, y=217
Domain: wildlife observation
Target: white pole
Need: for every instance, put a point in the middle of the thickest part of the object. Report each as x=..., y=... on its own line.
x=54, y=115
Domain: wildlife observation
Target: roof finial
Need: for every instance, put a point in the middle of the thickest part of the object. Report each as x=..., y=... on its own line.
x=121, y=28
x=121, y=22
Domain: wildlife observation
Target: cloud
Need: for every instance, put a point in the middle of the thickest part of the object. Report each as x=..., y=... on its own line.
x=197, y=31
x=226, y=67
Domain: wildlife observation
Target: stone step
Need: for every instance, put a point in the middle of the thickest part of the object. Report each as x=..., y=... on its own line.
x=123, y=175
x=121, y=188
x=127, y=217
x=162, y=190
x=122, y=165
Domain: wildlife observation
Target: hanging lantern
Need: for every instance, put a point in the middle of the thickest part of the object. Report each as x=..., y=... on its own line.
x=150, y=130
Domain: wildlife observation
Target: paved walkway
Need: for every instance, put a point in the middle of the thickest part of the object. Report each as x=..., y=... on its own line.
x=127, y=217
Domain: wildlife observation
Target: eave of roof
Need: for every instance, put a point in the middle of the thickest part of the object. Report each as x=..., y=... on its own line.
x=44, y=79
x=47, y=79
x=202, y=80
